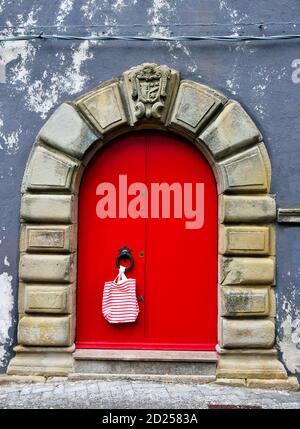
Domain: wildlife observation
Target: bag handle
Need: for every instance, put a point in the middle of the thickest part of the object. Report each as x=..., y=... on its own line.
x=121, y=277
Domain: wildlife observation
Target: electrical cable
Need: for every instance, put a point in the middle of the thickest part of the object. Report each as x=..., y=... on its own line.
x=190, y=38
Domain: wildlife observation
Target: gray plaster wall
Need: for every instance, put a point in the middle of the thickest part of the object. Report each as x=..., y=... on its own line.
x=37, y=76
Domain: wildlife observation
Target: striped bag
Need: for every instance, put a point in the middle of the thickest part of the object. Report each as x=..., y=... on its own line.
x=119, y=302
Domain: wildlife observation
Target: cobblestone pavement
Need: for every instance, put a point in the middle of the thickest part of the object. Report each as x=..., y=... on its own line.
x=137, y=394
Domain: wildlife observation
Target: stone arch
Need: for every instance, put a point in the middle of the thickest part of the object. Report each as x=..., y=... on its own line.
x=224, y=132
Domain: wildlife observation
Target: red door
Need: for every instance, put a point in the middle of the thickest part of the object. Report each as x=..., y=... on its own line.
x=174, y=245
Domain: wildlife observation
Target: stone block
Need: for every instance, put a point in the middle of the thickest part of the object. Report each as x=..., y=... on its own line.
x=48, y=238
x=49, y=208
x=45, y=298
x=247, y=333
x=47, y=268
x=103, y=107
x=245, y=172
x=290, y=384
x=246, y=240
x=68, y=132
x=250, y=366
x=244, y=301
x=232, y=130
x=247, y=271
x=20, y=379
x=194, y=107
x=248, y=209
x=49, y=362
x=48, y=170
x=45, y=331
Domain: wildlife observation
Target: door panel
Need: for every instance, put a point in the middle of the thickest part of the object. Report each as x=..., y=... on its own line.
x=100, y=239
x=181, y=264
x=177, y=274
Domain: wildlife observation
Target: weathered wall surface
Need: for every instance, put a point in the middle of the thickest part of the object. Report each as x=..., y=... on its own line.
x=37, y=76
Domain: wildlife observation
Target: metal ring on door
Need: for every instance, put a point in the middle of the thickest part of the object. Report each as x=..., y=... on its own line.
x=125, y=253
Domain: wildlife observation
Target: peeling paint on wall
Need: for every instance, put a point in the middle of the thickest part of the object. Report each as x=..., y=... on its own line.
x=159, y=13
x=289, y=343
x=18, y=74
x=9, y=142
x=118, y=5
x=160, y=8
x=6, y=307
x=163, y=12
x=88, y=8
x=64, y=9
x=43, y=94
x=234, y=14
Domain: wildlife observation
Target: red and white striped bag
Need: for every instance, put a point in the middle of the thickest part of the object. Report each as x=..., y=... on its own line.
x=119, y=302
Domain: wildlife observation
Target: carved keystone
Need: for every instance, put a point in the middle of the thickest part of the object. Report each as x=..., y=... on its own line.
x=150, y=90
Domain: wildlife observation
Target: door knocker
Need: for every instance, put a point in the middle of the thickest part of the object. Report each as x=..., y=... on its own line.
x=125, y=253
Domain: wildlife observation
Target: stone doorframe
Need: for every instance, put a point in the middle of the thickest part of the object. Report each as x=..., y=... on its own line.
x=149, y=97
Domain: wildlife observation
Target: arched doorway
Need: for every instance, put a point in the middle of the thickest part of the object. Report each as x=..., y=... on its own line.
x=149, y=96
x=174, y=245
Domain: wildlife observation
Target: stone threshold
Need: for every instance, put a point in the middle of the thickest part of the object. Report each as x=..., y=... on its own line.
x=146, y=355
x=154, y=378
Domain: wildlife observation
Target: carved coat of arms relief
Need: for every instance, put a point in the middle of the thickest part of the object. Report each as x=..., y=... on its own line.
x=149, y=89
